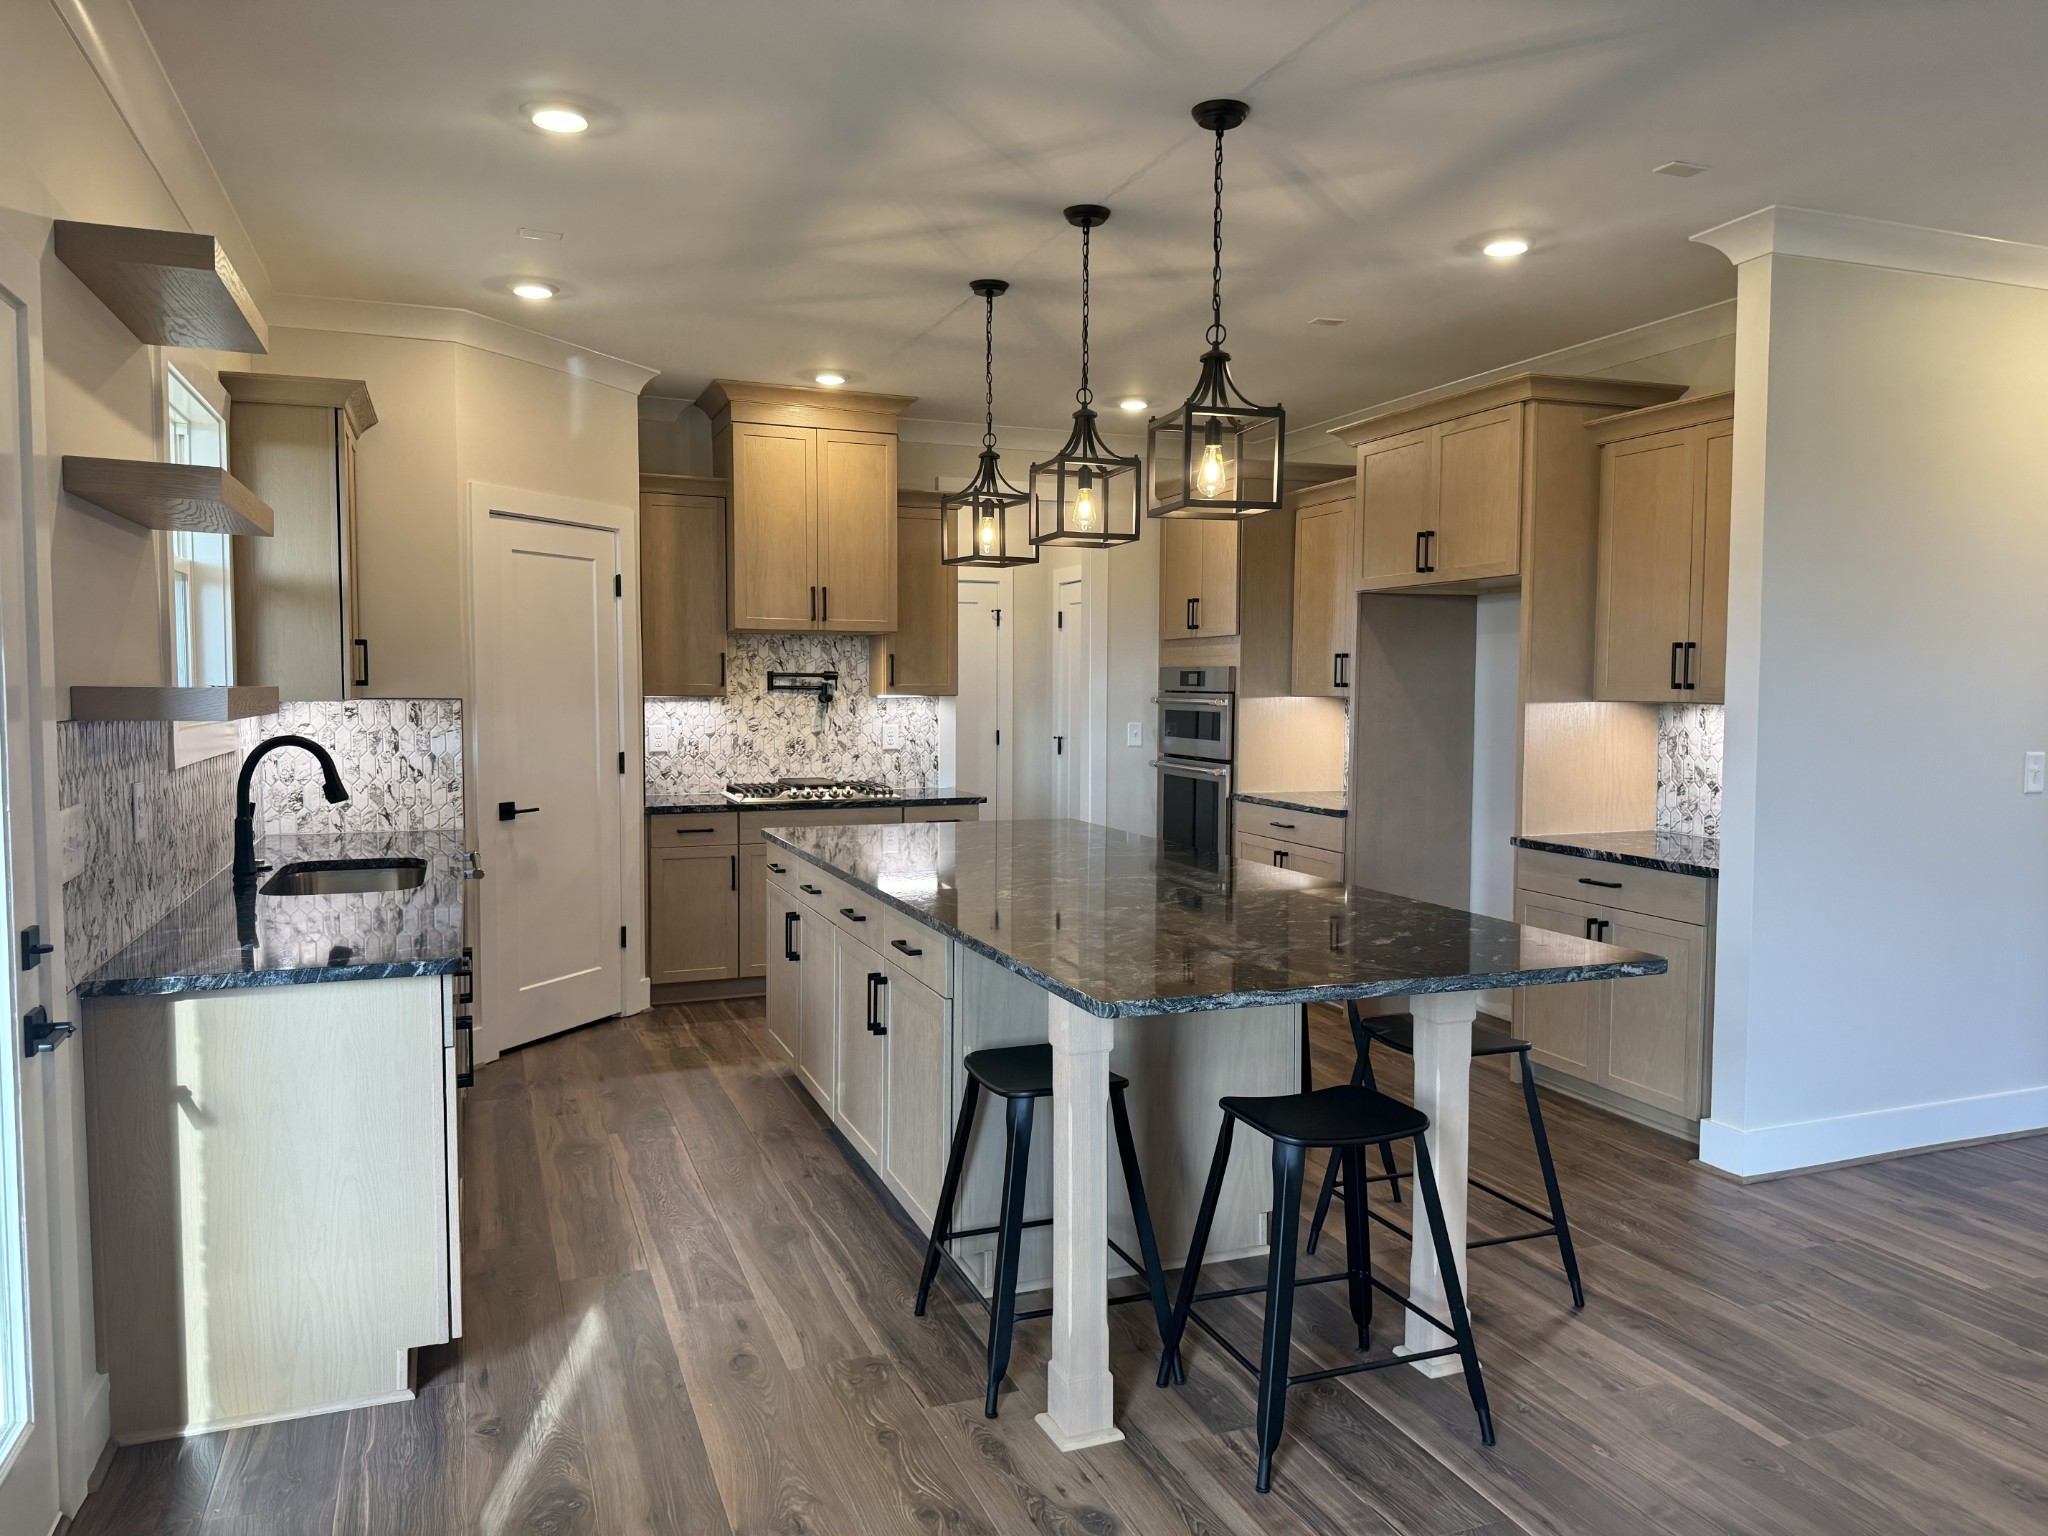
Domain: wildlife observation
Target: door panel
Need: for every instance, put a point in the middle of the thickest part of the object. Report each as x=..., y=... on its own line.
x=818, y=1046
x=1216, y=613
x=1069, y=749
x=920, y=1118
x=1323, y=597
x=1479, y=497
x=682, y=595
x=856, y=532
x=923, y=654
x=1566, y=1026
x=861, y=1101
x=547, y=653
x=694, y=914
x=774, y=526
x=1180, y=577
x=1396, y=501
x=785, y=975
x=981, y=750
x=1654, y=1022
x=753, y=910
x=1647, y=493
x=1710, y=631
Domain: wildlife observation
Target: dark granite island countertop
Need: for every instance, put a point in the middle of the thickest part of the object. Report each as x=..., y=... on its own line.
x=699, y=802
x=198, y=946
x=1119, y=926
x=1678, y=853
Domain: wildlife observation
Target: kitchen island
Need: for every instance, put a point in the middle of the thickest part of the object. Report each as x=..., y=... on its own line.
x=898, y=943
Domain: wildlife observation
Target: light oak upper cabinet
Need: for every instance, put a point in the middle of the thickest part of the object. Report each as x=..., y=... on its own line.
x=1198, y=578
x=923, y=655
x=812, y=528
x=1661, y=613
x=1325, y=605
x=1446, y=490
x=292, y=441
x=682, y=586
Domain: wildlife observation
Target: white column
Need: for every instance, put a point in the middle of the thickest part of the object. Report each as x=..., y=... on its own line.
x=1079, y=1399
x=1443, y=1091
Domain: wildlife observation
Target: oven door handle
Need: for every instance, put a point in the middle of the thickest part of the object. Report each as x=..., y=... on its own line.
x=1195, y=768
x=1205, y=700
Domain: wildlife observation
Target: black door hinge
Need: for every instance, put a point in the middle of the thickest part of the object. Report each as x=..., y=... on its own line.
x=40, y=1033
x=618, y=585
x=622, y=762
x=1060, y=619
x=999, y=738
x=622, y=935
x=999, y=616
x=33, y=948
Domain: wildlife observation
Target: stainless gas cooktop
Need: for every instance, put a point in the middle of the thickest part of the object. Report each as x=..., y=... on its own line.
x=805, y=791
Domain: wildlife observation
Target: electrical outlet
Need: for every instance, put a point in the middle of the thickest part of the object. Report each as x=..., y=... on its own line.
x=892, y=736
x=72, y=830
x=141, y=814
x=2034, y=777
x=1134, y=734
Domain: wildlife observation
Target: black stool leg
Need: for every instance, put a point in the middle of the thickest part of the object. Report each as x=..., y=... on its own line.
x=949, y=1189
x=1361, y=1072
x=1191, y=1272
x=1288, y=1163
x=1003, y=1313
x=1454, y=1290
x=1141, y=1216
x=1357, y=1241
x=1564, y=1232
x=1361, y=1041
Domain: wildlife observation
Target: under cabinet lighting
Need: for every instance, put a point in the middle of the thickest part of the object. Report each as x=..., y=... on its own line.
x=1506, y=248
x=534, y=290
x=554, y=117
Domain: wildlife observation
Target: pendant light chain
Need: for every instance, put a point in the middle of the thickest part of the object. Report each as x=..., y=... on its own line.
x=1216, y=330
x=988, y=374
x=1084, y=394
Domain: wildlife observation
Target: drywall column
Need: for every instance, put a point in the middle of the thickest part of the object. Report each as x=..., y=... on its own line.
x=1882, y=983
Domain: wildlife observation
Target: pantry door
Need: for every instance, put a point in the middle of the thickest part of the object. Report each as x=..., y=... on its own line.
x=548, y=736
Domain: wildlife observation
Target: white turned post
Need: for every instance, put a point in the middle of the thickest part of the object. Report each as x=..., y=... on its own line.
x=1443, y=1091
x=1079, y=1400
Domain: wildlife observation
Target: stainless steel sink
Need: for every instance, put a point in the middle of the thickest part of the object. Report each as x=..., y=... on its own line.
x=340, y=877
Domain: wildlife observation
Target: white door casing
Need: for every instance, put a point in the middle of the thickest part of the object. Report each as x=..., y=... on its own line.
x=550, y=683
x=1072, y=715
x=983, y=736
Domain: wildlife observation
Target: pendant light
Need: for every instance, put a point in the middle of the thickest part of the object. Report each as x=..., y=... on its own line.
x=983, y=523
x=1218, y=455
x=1085, y=496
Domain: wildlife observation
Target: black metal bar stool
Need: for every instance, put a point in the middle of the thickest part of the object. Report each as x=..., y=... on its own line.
x=1020, y=1075
x=1344, y=1120
x=1397, y=1033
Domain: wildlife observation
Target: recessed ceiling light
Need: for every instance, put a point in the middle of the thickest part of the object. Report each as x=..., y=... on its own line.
x=830, y=380
x=1327, y=320
x=1132, y=404
x=1678, y=168
x=555, y=117
x=529, y=289
x=1506, y=248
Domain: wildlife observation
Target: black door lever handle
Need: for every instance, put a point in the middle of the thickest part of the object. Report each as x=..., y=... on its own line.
x=509, y=810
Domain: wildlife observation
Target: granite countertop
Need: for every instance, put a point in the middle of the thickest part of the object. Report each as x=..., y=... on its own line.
x=1310, y=802
x=199, y=945
x=699, y=802
x=1679, y=853
x=1119, y=925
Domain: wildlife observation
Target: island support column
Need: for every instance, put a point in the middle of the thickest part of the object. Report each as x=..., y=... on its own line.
x=1443, y=1091
x=1079, y=1391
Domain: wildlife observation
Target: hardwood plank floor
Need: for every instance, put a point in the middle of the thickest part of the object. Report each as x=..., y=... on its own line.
x=688, y=1311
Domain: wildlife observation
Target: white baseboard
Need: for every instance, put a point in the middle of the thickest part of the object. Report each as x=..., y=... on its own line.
x=1749, y=1152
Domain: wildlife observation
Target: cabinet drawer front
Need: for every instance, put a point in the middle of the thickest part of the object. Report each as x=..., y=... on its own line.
x=855, y=913
x=1302, y=860
x=751, y=822
x=941, y=813
x=1297, y=827
x=1653, y=892
x=720, y=829
x=917, y=951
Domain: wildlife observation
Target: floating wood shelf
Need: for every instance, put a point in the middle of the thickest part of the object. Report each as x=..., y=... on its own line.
x=170, y=288
x=349, y=395
x=192, y=498
x=188, y=704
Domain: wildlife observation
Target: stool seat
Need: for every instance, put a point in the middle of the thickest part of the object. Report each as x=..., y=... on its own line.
x=1396, y=1031
x=1018, y=1071
x=1345, y=1116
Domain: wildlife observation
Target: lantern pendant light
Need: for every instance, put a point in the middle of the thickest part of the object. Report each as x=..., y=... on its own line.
x=983, y=523
x=1218, y=455
x=1086, y=495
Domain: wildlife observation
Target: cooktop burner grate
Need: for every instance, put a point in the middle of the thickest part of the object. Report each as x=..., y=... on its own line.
x=803, y=791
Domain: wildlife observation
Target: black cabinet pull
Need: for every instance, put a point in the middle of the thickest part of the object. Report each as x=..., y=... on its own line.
x=465, y=979
x=735, y=871
x=905, y=947
x=1188, y=613
x=824, y=605
x=851, y=916
x=789, y=922
x=1605, y=885
x=778, y=869
x=876, y=981
x=721, y=669
x=892, y=669
x=1419, y=537
x=509, y=810
x=1677, y=659
x=1592, y=923
x=1340, y=670
x=362, y=677
x=695, y=831
x=1691, y=646
x=810, y=890
x=814, y=605
x=1284, y=826
x=1279, y=858
x=465, y=1051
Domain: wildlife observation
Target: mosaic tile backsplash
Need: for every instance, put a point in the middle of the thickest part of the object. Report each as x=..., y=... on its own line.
x=696, y=744
x=400, y=758
x=1689, y=768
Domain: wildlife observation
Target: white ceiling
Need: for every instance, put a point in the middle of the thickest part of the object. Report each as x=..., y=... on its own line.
x=778, y=186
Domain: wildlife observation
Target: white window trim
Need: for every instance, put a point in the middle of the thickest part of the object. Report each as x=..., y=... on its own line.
x=191, y=741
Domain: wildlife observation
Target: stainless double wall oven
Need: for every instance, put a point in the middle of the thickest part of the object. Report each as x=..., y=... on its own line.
x=1197, y=741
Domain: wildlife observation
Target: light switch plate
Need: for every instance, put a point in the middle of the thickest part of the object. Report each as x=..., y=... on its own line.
x=1134, y=734
x=141, y=814
x=2034, y=777
x=71, y=830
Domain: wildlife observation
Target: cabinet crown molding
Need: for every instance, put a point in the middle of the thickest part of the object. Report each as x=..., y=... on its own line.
x=1693, y=411
x=349, y=395
x=796, y=405
x=1552, y=388
x=686, y=485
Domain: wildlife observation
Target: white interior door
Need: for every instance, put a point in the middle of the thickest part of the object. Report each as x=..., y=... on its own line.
x=981, y=718
x=29, y=1493
x=548, y=735
x=1073, y=742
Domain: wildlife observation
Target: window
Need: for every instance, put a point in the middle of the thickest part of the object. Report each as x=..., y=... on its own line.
x=201, y=575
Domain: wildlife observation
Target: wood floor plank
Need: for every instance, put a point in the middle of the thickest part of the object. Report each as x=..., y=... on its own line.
x=162, y=1486
x=394, y=1478
x=682, y=1493
x=589, y=1216
x=282, y=1478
